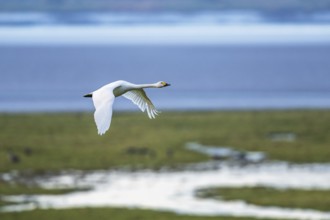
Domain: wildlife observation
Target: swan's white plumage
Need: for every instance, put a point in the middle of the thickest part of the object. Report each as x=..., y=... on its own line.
x=103, y=100
x=104, y=97
x=140, y=98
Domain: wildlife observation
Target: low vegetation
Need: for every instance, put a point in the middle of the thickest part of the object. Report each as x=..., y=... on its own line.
x=291, y=198
x=39, y=143
x=18, y=189
x=106, y=214
x=33, y=144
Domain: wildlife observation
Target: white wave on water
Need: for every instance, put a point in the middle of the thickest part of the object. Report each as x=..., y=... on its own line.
x=228, y=27
x=165, y=17
x=206, y=34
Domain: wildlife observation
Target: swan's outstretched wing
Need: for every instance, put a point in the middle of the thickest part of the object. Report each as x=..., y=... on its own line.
x=140, y=98
x=103, y=100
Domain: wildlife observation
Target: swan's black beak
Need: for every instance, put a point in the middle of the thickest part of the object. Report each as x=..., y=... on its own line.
x=88, y=96
x=167, y=84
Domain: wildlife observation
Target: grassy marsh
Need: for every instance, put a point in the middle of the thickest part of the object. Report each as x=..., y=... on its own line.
x=291, y=198
x=18, y=189
x=64, y=141
x=70, y=141
x=106, y=214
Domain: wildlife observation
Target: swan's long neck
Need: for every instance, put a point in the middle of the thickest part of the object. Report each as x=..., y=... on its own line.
x=123, y=87
x=142, y=86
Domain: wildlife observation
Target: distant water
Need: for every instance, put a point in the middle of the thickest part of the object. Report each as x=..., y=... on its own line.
x=227, y=60
x=54, y=78
x=203, y=28
x=160, y=18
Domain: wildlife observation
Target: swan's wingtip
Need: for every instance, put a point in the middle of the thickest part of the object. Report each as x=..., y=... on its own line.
x=154, y=114
x=101, y=132
x=89, y=95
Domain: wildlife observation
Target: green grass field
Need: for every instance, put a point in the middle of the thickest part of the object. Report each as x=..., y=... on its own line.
x=48, y=143
x=18, y=189
x=107, y=214
x=291, y=198
x=70, y=140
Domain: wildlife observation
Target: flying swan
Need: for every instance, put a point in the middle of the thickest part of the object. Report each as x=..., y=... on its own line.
x=104, y=97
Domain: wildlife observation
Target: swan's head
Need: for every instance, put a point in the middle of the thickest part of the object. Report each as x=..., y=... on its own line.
x=162, y=84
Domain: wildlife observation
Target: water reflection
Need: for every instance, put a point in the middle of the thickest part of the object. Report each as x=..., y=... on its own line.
x=227, y=153
x=175, y=190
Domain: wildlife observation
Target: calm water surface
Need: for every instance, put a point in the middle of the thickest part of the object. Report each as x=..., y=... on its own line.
x=54, y=78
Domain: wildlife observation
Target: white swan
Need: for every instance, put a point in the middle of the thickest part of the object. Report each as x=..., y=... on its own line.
x=103, y=99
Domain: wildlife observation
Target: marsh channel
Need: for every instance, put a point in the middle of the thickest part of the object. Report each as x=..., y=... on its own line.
x=175, y=190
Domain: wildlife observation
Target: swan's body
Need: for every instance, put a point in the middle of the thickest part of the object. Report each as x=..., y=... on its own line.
x=104, y=97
